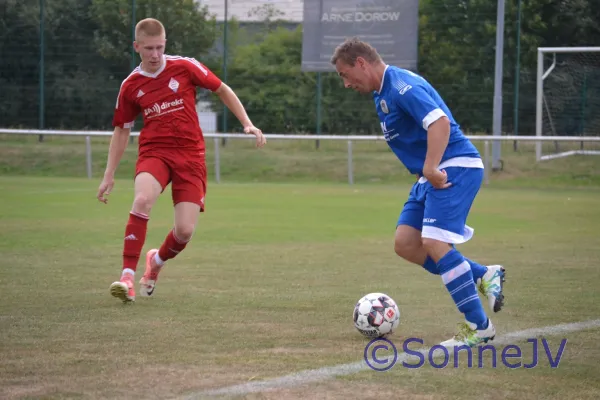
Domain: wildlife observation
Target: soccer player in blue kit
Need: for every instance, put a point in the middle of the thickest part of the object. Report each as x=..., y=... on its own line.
x=421, y=131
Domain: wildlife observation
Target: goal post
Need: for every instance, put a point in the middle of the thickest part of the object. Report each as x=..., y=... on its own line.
x=567, y=98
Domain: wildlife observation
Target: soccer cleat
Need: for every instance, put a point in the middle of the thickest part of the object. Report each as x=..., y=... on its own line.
x=468, y=335
x=491, y=285
x=148, y=281
x=123, y=289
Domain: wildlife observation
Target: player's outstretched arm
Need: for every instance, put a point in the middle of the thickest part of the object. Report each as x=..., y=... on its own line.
x=118, y=144
x=438, y=135
x=230, y=99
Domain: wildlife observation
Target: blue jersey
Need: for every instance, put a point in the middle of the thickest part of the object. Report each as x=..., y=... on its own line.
x=406, y=105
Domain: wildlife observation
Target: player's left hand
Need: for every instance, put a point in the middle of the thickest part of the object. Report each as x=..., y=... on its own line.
x=437, y=178
x=260, y=138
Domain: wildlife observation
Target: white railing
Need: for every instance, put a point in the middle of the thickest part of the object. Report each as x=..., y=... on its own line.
x=349, y=139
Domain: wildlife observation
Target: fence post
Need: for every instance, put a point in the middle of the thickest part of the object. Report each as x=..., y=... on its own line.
x=350, y=169
x=88, y=156
x=42, y=90
x=486, y=160
x=217, y=161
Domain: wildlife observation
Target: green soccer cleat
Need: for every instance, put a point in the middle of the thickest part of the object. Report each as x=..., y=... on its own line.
x=468, y=335
x=491, y=286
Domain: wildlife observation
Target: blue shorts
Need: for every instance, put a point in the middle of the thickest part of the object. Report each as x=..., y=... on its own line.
x=441, y=214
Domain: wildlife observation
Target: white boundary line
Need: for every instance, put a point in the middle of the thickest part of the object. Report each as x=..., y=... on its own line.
x=321, y=374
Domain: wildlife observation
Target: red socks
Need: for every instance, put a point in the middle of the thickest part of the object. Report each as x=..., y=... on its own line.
x=171, y=247
x=135, y=236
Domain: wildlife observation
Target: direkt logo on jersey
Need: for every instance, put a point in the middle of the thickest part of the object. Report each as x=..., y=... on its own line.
x=164, y=108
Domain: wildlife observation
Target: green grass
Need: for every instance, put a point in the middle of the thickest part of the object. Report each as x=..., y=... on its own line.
x=286, y=161
x=267, y=287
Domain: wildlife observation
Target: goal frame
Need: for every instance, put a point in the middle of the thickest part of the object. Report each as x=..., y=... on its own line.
x=541, y=75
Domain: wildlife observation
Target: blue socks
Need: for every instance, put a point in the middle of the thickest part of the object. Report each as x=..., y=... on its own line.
x=431, y=266
x=478, y=270
x=457, y=276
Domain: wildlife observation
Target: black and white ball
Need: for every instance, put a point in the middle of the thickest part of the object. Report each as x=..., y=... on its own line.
x=376, y=315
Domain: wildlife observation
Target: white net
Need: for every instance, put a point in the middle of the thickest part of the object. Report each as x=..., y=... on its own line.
x=570, y=101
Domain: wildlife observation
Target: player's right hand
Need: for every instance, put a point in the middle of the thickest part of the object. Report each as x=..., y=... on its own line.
x=437, y=178
x=260, y=138
x=105, y=188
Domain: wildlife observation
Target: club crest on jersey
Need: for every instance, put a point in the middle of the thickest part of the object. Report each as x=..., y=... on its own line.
x=173, y=85
x=384, y=107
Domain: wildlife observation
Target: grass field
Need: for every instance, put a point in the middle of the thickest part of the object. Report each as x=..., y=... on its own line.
x=268, y=284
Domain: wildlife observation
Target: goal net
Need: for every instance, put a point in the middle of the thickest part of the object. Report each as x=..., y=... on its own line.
x=568, y=99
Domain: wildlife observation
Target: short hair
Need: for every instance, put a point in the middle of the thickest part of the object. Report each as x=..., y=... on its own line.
x=149, y=27
x=351, y=49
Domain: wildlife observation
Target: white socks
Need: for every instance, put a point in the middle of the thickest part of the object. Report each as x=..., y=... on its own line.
x=128, y=271
x=157, y=260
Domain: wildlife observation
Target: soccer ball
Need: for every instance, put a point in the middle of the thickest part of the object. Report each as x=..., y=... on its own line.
x=376, y=315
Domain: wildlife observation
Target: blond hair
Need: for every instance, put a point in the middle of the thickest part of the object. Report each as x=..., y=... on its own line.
x=149, y=27
x=351, y=49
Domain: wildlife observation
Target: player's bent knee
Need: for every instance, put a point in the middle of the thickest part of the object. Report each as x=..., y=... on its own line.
x=409, y=250
x=403, y=249
x=143, y=203
x=184, y=232
x=407, y=242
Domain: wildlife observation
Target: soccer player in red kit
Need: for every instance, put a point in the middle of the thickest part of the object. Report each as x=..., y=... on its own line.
x=171, y=149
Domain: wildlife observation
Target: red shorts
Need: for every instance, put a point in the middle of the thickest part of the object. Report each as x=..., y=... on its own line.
x=187, y=175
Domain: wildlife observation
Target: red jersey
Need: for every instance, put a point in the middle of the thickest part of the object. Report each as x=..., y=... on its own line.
x=167, y=100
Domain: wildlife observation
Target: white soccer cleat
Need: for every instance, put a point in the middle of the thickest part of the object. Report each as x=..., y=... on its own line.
x=491, y=285
x=468, y=335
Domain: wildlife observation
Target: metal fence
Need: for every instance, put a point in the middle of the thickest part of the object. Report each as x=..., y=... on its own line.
x=487, y=139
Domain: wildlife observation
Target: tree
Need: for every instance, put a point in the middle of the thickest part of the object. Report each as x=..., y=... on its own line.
x=69, y=60
x=281, y=98
x=88, y=52
x=190, y=29
x=19, y=47
x=87, y=55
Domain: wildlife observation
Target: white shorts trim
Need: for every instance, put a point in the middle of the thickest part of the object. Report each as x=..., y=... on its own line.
x=431, y=232
x=464, y=162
